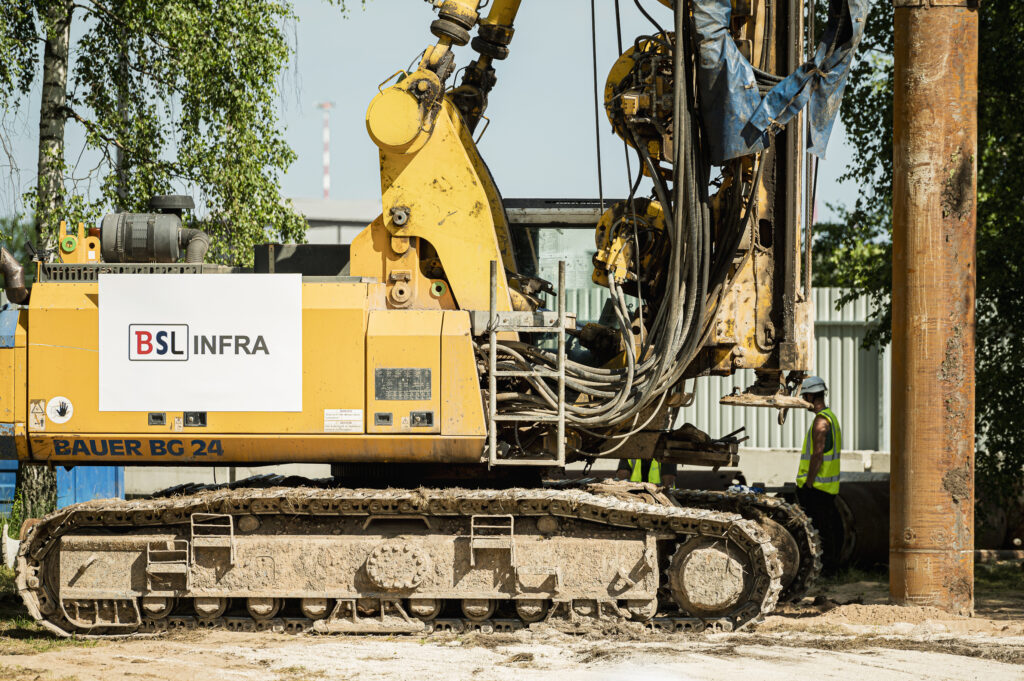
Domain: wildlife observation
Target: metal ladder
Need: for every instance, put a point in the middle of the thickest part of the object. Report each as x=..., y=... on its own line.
x=492, y=532
x=213, y=531
x=524, y=322
x=165, y=562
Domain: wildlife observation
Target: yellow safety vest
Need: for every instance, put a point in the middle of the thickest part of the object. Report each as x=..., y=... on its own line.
x=637, y=468
x=827, y=479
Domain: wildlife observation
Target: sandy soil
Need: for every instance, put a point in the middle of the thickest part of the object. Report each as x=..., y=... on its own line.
x=846, y=635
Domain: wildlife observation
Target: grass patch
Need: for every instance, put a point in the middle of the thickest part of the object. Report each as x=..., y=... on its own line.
x=298, y=673
x=23, y=674
x=1010, y=654
x=7, y=587
x=1007, y=576
x=19, y=634
x=850, y=575
x=1004, y=576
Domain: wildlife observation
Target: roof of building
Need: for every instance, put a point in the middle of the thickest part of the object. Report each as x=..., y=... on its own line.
x=338, y=210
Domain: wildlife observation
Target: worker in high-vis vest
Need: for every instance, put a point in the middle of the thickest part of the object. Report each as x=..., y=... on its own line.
x=647, y=470
x=817, y=478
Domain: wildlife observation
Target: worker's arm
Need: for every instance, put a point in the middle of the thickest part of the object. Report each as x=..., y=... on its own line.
x=819, y=431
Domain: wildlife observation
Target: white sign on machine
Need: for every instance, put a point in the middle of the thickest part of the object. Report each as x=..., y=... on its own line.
x=188, y=342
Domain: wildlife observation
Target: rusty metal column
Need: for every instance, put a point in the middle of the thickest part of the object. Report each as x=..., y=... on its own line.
x=931, y=560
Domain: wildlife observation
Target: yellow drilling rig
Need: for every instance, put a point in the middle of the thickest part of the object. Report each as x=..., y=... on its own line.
x=447, y=387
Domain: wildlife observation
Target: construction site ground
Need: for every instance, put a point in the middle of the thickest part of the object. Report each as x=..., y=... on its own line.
x=846, y=630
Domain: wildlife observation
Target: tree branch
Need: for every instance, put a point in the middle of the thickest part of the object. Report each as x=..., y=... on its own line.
x=116, y=19
x=91, y=127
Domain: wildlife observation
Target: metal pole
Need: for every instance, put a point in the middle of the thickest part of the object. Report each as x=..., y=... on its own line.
x=931, y=559
x=492, y=369
x=560, y=431
x=326, y=108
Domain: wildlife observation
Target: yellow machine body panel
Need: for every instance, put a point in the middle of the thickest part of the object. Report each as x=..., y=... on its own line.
x=346, y=335
x=13, y=377
x=438, y=197
x=460, y=413
x=403, y=371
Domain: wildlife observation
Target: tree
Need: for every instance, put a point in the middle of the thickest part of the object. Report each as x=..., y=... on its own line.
x=867, y=114
x=171, y=94
x=855, y=253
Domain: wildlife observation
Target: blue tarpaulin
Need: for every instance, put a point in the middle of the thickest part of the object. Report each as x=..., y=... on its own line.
x=737, y=120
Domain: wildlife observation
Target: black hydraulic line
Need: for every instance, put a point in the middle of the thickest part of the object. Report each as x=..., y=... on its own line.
x=691, y=289
x=618, y=38
x=649, y=17
x=764, y=75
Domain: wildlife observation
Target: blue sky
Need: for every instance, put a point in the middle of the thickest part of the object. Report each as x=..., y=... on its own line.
x=540, y=140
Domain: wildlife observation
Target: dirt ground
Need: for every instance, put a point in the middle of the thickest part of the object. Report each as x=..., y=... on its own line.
x=846, y=632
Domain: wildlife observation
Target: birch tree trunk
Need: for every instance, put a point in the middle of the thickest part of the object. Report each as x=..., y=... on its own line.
x=38, y=487
x=38, y=484
x=56, y=15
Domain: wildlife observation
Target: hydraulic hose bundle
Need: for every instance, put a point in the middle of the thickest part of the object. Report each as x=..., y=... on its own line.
x=611, y=400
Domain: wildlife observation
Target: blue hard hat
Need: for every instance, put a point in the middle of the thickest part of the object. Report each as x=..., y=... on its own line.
x=813, y=384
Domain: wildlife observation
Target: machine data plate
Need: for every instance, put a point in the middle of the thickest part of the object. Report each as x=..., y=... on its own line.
x=401, y=384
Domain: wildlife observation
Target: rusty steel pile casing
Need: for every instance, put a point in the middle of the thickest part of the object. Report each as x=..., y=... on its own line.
x=933, y=318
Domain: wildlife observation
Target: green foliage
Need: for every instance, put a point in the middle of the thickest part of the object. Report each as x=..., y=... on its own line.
x=867, y=114
x=8, y=588
x=186, y=91
x=16, y=517
x=14, y=232
x=855, y=253
x=847, y=255
x=999, y=577
x=18, y=47
x=1000, y=352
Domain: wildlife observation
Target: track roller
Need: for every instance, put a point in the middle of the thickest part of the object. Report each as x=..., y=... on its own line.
x=315, y=608
x=425, y=609
x=262, y=608
x=478, y=609
x=641, y=611
x=531, y=609
x=209, y=608
x=157, y=607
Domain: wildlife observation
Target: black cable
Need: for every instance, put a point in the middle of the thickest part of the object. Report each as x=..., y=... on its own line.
x=597, y=113
x=618, y=26
x=691, y=289
x=618, y=38
x=649, y=17
x=765, y=76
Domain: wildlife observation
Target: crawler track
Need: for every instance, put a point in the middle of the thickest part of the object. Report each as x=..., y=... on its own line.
x=635, y=509
x=790, y=516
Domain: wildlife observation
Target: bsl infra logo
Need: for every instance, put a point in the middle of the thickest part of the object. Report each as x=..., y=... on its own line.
x=172, y=343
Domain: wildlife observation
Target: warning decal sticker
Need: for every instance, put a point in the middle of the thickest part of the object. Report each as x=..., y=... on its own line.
x=37, y=415
x=60, y=410
x=343, y=420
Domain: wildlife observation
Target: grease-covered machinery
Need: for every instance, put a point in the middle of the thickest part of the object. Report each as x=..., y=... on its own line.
x=431, y=360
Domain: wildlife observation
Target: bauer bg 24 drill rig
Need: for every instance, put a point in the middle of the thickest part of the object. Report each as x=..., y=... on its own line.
x=446, y=386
